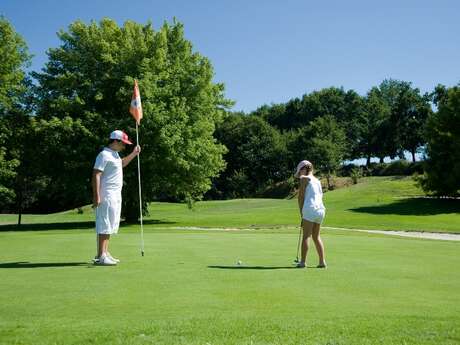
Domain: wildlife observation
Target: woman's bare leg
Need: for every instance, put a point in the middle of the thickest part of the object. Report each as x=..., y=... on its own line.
x=318, y=243
x=307, y=231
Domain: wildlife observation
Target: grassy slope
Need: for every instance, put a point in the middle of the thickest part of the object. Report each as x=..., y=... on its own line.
x=375, y=203
x=388, y=203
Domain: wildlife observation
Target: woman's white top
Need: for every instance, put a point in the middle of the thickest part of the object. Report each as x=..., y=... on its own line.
x=313, y=194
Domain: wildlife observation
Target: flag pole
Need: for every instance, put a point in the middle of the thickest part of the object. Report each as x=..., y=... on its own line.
x=140, y=191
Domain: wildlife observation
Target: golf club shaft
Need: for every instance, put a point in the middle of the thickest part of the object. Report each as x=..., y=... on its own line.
x=298, y=242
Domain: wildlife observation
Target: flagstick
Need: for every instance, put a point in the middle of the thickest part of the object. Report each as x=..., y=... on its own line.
x=140, y=191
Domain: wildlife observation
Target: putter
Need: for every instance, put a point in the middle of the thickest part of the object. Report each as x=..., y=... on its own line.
x=298, y=244
x=96, y=258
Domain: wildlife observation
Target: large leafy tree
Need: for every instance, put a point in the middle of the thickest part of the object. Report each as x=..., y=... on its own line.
x=442, y=168
x=347, y=107
x=256, y=156
x=324, y=143
x=89, y=79
x=14, y=59
x=13, y=111
x=408, y=113
x=376, y=123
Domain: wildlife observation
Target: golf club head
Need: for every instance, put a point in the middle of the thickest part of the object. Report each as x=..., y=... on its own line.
x=296, y=260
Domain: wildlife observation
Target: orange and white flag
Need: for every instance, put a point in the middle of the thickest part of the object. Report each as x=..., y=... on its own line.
x=136, y=106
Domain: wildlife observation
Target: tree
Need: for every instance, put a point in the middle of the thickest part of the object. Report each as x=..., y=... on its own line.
x=7, y=175
x=413, y=110
x=323, y=142
x=89, y=78
x=377, y=118
x=13, y=111
x=15, y=58
x=347, y=107
x=408, y=112
x=442, y=169
x=256, y=156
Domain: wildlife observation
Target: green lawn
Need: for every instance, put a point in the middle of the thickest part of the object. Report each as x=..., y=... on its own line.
x=187, y=289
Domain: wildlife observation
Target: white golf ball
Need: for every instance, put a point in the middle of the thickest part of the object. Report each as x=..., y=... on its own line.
x=239, y=262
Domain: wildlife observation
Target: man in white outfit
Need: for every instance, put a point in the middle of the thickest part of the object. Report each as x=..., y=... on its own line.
x=107, y=183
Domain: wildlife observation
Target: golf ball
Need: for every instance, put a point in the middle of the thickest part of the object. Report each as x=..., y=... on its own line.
x=239, y=262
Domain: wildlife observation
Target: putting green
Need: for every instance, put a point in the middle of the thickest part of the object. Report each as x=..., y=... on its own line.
x=188, y=289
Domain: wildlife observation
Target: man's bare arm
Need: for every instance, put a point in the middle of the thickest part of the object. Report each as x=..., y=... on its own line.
x=96, y=184
x=126, y=160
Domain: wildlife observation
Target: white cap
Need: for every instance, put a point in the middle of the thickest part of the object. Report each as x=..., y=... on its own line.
x=301, y=165
x=120, y=135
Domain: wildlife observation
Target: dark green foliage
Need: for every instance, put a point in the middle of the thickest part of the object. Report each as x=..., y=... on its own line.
x=14, y=58
x=346, y=107
x=323, y=142
x=14, y=119
x=256, y=157
x=396, y=115
x=443, y=149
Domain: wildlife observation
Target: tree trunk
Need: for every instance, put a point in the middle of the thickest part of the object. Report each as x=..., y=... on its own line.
x=413, y=155
x=381, y=160
x=368, y=161
x=19, y=207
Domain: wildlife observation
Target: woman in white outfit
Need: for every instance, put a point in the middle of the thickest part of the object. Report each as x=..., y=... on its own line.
x=312, y=211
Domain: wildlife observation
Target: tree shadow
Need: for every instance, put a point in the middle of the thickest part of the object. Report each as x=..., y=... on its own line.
x=252, y=267
x=27, y=264
x=414, y=207
x=69, y=225
x=48, y=226
x=152, y=222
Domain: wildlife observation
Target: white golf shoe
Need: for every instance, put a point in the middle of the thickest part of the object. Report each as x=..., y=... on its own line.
x=112, y=258
x=105, y=260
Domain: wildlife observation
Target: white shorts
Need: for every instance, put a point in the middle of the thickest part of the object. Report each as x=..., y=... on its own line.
x=314, y=215
x=108, y=215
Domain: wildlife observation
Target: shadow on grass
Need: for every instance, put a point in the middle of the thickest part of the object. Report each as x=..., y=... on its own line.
x=253, y=267
x=414, y=207
x=69, y=225
x=26, y=264
x=48, y=226
x=152, y=222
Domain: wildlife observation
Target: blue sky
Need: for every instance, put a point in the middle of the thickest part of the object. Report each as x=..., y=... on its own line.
x=268, y=51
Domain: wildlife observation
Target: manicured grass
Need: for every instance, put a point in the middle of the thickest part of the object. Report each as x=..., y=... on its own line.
x=187, y=289
x=391, y=203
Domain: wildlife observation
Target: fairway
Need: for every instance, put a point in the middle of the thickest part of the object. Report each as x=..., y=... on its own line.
x=189, y=290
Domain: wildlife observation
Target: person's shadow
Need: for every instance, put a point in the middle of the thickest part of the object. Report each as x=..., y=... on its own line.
x=242, y=267
x=27, y=264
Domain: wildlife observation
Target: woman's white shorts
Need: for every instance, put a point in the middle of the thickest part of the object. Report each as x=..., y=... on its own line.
x=108, y=215
x=314, y=215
